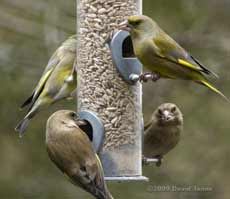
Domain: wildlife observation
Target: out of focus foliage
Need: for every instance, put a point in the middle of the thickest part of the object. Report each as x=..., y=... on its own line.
x=30, y=31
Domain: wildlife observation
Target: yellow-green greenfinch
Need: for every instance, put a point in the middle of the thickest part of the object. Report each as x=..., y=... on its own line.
x=71, y=151
x=162, y=55
x=58, y=81
x=162, y=131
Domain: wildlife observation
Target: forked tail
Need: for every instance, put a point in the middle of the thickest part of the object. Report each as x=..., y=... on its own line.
x=22, y=125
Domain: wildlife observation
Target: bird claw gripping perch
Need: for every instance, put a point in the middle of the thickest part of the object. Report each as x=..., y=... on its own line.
x=144, y=77
x=148, y=161
x=128, y=66
x=159, y=162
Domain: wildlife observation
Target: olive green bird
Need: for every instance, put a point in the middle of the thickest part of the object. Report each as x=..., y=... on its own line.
x=162, y=55
x=58, y=81
x=70, y=149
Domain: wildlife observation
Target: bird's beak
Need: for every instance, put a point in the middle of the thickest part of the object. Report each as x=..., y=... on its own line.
x=124, y=26
x=71, y=124
x=81, y=122
x=167, y=115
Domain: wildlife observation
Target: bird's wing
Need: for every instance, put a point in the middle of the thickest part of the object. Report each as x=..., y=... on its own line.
x=46, y=74
x=80, y=161
x=27, y=101
x=69, y=78
x=70, y=46
x=90, y=178
x=168, y=49
x=58, y=161
x=55, y=160
x=147, y=125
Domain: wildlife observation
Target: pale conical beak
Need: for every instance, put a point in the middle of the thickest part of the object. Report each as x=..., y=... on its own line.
x=81, y=122
x=167, y=115
x=124, y=26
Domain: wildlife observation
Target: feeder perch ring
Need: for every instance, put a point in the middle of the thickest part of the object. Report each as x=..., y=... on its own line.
x=97, y=128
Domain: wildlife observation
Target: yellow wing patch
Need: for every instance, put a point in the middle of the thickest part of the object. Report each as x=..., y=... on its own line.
x=99, y=161
x=43, y=81
x=187, y=64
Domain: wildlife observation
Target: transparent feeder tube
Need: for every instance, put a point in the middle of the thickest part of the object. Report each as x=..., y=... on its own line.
x=101, y=89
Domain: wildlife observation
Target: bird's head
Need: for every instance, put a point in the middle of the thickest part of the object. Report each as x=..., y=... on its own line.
x=65, y=119
x=138, y=25
x=168, y=114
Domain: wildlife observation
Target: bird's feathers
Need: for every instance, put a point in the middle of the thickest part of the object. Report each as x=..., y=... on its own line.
x=28, y=101
x=22, y=125
x=78, y=160
x=37, y=91
x=148, y=125
x=167, y=48
x=208, y=85
x=161, y=54
x=52, y=86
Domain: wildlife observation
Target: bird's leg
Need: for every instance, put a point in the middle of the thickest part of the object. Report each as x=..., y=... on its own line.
x=144, y=160
x=147, y=161
x=144, y=77
x=155, y=77
x=160, y=159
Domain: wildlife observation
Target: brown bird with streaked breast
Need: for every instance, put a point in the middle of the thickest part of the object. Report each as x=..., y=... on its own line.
x=162, y=131
x=71, y=151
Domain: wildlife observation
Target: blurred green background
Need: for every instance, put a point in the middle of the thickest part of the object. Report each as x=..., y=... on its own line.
x=31, y=30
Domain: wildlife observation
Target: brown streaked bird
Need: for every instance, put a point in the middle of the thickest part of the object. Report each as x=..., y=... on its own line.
x=162, y=131
x=71, y=151
x=58, y=81
x=162, y=55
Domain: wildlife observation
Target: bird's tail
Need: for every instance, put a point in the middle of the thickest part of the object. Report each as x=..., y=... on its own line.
x=205, y=83
x=22, y=125
x=104, y=191
x=106, y=195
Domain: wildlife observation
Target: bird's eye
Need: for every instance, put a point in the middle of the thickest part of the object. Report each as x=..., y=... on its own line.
x=73, y=114
x=136, y=23
x=173, y=109
x=160, y=111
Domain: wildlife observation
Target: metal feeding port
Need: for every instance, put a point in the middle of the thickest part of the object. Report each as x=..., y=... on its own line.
x=124, y=58
x=94, y=129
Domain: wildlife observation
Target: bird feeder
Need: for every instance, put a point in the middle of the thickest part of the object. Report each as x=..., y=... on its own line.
x=108, y=96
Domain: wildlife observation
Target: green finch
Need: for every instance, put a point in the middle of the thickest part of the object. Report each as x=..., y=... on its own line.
x=70, y=149
x=162, y=55
x=162, y=131
x=58, y=81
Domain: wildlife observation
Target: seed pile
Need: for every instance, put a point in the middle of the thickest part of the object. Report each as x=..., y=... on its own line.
x=101, y=89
